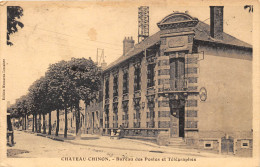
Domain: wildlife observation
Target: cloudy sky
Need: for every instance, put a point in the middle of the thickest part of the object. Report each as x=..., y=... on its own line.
x=52, y=33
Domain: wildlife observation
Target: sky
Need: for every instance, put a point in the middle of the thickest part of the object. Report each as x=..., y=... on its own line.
x=52, y=33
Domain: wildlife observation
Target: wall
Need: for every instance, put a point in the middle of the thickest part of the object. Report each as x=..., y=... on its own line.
x=97, y=108
x=227, y=76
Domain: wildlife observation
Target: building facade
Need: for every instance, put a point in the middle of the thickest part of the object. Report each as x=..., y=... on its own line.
x=190, y=80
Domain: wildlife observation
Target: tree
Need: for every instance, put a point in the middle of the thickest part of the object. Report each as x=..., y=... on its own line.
x=22, y=105
x=86, y=79
x=13, y=14
x=45, y=104
x=71, y=81
x=56, y=87
x=35, y=101
x=63, y=86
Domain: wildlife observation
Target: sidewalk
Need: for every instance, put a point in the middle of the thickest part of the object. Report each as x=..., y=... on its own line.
x=104, y=142
x=60, y=136
x=137, y=145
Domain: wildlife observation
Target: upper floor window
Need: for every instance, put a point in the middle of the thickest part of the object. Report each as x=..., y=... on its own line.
x=150, y=75
x=177, y=68
x=107, y=89
x=137, y=79
x=125, y=82
x=115, y=86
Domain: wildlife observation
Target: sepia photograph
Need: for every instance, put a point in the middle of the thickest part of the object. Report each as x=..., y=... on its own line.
x=111, y=82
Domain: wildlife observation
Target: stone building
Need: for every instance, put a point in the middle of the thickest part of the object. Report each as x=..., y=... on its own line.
x=190, y=81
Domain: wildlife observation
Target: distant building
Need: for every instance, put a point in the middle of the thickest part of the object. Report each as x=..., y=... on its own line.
x=71, y=117
x=190, y=80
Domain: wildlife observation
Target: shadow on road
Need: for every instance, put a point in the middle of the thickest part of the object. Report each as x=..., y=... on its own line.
x=89, y=138
x=12, y=153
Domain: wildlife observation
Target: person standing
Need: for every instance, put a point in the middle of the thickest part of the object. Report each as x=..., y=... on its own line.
x=10, y=131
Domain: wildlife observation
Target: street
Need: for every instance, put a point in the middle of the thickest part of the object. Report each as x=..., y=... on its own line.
x=33, y=146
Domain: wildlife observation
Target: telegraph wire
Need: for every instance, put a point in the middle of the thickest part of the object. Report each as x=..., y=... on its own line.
x=92, y=41
x=75, y=36
x=60, y=44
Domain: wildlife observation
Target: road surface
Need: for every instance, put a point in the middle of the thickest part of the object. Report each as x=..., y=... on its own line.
x=32, y=146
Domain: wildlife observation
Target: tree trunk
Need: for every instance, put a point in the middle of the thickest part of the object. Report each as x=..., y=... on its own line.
x=22, y=123
x=44, y=125
x=72, y=116
x=66, y=123
x=33, y=124
x=57, y=123
x=77, y=114
x=49, y=123
x=40, y=122
x=25, y=122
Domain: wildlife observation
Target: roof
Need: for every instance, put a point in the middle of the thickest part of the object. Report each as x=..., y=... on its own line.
x=202, y=33
x=138, y=48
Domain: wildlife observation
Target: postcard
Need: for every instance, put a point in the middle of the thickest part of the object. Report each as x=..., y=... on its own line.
x=129, y=83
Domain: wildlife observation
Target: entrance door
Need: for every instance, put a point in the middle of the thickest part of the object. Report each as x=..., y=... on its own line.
x=181, y=122
x=227, y=145
x=174, y=130
x=177, y=118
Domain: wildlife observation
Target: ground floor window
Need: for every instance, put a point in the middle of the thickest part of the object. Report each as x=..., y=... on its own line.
x=191, y=124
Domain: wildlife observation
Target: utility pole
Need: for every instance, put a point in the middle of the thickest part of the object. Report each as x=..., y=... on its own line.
x=143, y=23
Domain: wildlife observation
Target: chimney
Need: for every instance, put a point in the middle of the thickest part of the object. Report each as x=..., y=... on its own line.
x=128, y=44
x=216, y=22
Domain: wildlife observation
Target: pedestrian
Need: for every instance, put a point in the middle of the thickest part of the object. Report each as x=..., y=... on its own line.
x=121, y=131
x=10, y=131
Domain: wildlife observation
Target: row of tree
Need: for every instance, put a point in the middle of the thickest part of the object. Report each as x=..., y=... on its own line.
x=65, y=83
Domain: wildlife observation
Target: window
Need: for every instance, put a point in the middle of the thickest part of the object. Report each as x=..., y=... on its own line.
x=107, y=89
x=192, y=103
x=150, y=75
x=177, y=72
x=192, y=70
x=163, y=81
x=115, y=125
x=192, y=60
x=125, y=106
x=137, y=79
x=115, y=86
x=115, y=107
x=148, y=115
x=163, y=113
x=191, y=113
x=192, y=79
x=177, y=66
x=191, y=124
x=163, y=62
x=164, y=103
x=164, y=72
x=115, y=117
x=244, y=143
x=208, y=144
x=125, y=82
x=163, y=124
x=139, y=115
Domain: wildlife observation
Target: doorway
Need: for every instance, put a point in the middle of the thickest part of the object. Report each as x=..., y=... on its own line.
x=181, y=122
x=177, y=118
x=227, y=145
